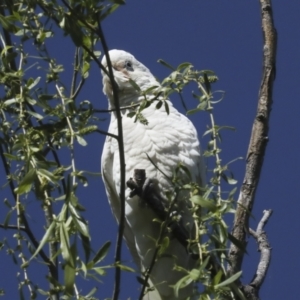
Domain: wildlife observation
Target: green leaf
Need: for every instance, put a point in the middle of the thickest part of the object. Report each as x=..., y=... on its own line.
x=197, y=199
x=131, y=114
x=207, y=132
x=184, y=65
x=194, y=273
x=69, y=278
x=166, y=64
x=182, y=283
x=45, y=239
x=217, y=277
x=48, y=175
x=111, y=9
x=34, y=114
x=207, y=83
x=229, y=280
x=238, y=292
x=150, y=89
x=101, y=271
x=12, y=157
x=85, y=242
x=7, y=218
x=193, y=111
x=231, y=193
x=228, y=179
x=81, y=140
x=159, y=104
x=64, y=241
x=10, y=101
x=26, y=183
x=164, y=245
x=81, y=225
x=32, y=83
x=125, y=268
x=100, y=255
x=6, y=24
x=226, y=127
x=134, y=85
x=85, y=69
x=167, y=107
x=42, y=292
x=91, y=293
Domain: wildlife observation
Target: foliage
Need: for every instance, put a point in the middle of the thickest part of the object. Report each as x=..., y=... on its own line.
x=209, y=204
x=41, y=120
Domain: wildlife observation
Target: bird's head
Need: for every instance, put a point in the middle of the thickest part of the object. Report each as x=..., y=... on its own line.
x=126, y=68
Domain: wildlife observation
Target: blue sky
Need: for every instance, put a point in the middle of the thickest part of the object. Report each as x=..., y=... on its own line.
x=223, y=36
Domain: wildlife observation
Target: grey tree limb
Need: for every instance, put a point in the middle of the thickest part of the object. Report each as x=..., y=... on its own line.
x=251, y=290
x=258, y=140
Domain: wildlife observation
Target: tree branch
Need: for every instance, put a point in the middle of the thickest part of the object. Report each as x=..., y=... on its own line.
x=258, y=141
x=15, y=227
x=252, y=290
x=122, y=165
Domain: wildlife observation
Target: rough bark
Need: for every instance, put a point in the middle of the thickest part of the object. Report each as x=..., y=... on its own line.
x=258, y=140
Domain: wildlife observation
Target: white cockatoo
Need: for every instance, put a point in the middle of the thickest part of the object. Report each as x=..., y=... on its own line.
x=168, y=139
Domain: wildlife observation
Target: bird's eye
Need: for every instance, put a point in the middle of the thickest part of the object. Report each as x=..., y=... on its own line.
x=128, y=65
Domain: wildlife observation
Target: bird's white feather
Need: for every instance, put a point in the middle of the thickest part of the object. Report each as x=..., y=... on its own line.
x=168, y=139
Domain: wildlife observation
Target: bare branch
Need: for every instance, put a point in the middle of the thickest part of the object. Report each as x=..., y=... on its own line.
x=251, y=290
x=122, y=164
x=75, y=72
x=16, y=227
x=264, y=248
x=107, y=133
x=258, y=141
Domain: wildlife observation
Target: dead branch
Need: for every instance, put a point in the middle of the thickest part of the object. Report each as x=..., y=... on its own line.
x=258, y=141
x=264, y=248
x=252, y=290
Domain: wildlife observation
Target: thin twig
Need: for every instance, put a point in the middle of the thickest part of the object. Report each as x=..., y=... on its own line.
x=118, y=251
x=78, y=89
x=258, y=141
x=75, y=72
x=72, y=133
x=16, y=227
x=23, y=260
x=75, y=90
x=107, y=133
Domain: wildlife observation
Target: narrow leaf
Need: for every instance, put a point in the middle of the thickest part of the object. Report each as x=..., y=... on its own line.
x=44, y=239
x=134, y=85
x=64, y=241
x=69, y=278
x=81, y=140
x=32, y=83
x=100, y=271
x=25, y=184
x=229, y=280
x=203, y=202
x=184, y=65
x=100, y=254
x=166, y=64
